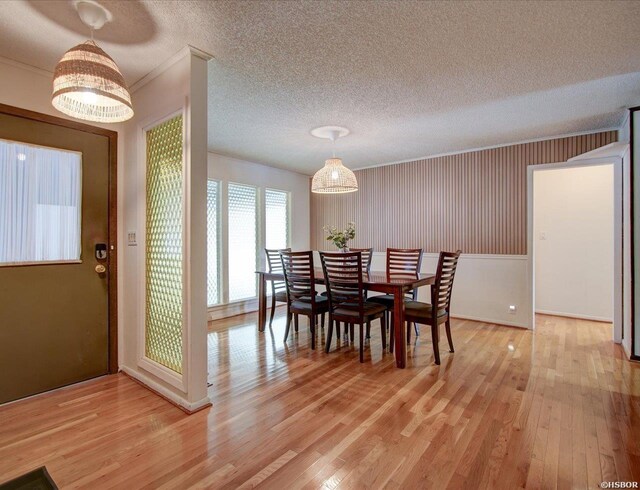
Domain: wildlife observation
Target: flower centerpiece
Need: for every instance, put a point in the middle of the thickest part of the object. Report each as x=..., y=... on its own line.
x=341, y=238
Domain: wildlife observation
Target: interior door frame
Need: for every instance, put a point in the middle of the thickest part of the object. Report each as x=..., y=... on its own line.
x=112, y=263
x=618, y=225
x=634, y=236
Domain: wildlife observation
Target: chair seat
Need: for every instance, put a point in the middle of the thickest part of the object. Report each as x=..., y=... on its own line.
x=344, y=297
x=383, y=299
x=307, y=299
x=281, y=296
x=420, y=310
x=351, y=311
x=303, y=305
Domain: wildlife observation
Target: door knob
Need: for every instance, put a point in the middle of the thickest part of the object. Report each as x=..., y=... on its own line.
x=101, y=269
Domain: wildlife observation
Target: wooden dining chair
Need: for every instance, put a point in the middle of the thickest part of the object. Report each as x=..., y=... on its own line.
x=343, y=278
x=401, y=263
x=367, y=255
x=437, y=312
x=278, y=288
x=302, y=298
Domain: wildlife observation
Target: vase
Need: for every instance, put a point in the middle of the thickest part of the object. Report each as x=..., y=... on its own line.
x=345, y=250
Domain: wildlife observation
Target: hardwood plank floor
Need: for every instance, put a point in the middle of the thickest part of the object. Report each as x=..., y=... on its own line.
x=558, y=408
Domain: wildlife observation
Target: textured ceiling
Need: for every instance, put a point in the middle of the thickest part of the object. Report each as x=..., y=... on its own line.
x=409, y=79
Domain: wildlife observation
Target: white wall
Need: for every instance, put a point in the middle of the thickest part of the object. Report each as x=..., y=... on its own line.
x=573, y=241
x=624, y=133
x=180, y=85
x=484, y=288
x=243, y=172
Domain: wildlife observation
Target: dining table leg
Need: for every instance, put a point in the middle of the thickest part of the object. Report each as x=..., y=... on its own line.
x=262, y=302
x=399, y=330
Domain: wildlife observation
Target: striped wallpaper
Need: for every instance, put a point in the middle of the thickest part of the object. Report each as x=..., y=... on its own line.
x=473, y=201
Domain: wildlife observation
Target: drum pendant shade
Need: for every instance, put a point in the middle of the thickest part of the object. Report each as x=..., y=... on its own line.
x=334, y=178
x=88, y=85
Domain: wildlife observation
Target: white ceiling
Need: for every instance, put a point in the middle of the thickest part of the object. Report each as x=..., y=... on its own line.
x=409, y=79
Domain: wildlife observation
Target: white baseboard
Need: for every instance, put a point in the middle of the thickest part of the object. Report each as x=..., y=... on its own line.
x=169, y=395
x=575, y=315
x=487, y=320
x=219, y=312
x=626, y=351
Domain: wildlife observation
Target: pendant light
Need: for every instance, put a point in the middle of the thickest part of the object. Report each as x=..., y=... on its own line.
x=334, y=177
x=87, y=83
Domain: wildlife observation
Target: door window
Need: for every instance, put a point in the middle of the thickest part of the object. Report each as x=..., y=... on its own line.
x=40, y=204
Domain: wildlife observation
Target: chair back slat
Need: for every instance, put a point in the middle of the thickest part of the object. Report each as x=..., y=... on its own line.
x=343, y=278
x=404, y=263
x=441, y=289
x=299, y=275
x=275, y=265
x=367, y=255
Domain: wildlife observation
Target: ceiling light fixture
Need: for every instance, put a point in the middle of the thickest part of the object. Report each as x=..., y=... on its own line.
x=87, y=83
x=334, y=177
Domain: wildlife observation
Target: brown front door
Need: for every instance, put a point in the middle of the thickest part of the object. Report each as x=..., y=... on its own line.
x=54, y=313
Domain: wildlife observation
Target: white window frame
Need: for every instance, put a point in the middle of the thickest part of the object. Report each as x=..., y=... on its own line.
x=223, y=237
x=259, y=205
x=289, y=219
x=219, y=246
x=164, y=373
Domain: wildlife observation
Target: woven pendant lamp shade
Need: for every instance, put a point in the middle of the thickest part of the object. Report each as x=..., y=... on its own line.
x=334, y=178
x=87, y=84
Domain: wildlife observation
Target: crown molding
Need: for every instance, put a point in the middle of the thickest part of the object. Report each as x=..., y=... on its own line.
x=492, y=147
x=24, y=66
x=198, y=52
x=188, y=50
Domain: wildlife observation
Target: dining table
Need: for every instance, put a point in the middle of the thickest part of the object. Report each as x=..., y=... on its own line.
x=377, y=281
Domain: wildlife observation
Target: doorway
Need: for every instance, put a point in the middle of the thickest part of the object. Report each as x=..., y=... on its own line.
x=575, y=241
x=57, y=253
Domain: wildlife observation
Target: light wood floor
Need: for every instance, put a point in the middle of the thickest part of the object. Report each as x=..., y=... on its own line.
x=558, y=408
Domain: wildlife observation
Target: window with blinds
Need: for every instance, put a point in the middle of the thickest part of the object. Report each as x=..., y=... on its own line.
x=213, y=242
x=276, y=204
x=242, y=242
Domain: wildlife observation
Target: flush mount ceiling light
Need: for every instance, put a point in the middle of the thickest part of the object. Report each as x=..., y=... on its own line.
x=87, y=83
x=334, y=177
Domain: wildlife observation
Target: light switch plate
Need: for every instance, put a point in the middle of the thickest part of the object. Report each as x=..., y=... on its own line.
x=131, y=239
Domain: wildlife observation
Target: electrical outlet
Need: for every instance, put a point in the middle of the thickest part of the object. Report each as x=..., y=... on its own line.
x=131, y=239
x=513, y=309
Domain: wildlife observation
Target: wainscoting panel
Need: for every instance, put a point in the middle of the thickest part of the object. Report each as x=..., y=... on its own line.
x=474, y=201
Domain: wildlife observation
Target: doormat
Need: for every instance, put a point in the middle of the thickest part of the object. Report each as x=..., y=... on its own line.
x=34, y=480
